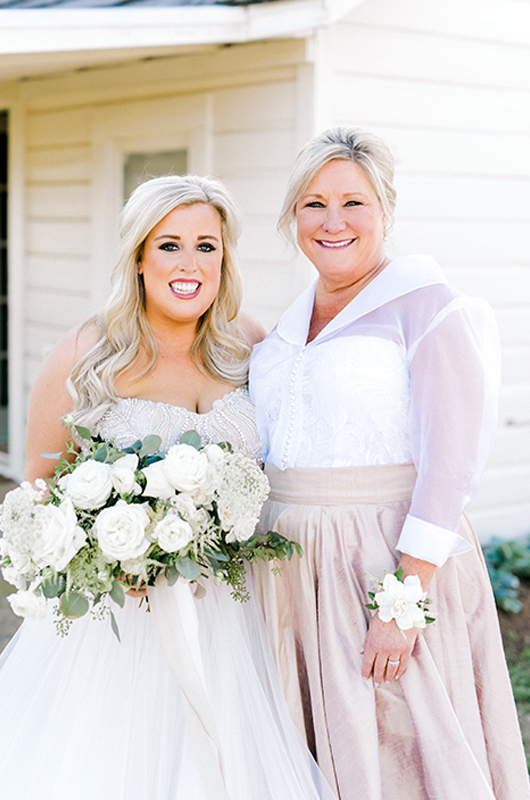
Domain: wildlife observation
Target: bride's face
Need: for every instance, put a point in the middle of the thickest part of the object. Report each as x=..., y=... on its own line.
x=181, y=264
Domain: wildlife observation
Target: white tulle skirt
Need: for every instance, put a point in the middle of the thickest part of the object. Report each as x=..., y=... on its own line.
x=86, y=716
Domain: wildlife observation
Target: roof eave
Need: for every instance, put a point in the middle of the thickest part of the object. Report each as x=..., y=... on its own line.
x=70, y=30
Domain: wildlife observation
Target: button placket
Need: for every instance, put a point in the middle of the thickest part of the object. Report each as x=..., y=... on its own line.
x=292, y=407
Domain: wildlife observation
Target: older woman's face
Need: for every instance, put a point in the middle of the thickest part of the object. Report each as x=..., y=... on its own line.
x=340, y=224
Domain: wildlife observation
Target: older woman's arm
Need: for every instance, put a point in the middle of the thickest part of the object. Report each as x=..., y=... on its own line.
x=454, y=370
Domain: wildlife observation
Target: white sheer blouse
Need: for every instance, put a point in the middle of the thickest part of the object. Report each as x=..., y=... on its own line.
x=407, y=372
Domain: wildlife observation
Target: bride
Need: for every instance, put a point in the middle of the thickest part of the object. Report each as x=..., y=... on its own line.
x=187, y=706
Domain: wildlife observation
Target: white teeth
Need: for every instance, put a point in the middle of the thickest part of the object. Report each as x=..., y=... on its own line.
x=184, y=288
x=336, y=244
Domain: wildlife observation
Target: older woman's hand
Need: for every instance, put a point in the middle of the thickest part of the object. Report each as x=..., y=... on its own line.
x=387, y=650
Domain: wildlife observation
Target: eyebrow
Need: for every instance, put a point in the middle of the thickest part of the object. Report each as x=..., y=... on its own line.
x=176, y=238
x=345, y=194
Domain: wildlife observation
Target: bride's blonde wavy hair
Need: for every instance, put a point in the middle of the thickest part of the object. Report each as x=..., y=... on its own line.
x=217, y=351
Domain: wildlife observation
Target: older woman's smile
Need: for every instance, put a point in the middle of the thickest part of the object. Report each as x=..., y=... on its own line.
x=336, y=245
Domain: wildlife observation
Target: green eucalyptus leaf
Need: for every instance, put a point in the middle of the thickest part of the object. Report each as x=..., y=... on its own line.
x=101, y=453
x=53, y=456
x=150, y=445
x=74, y=605
x=172, y=575
x=84, y=433
x=188, y=568
x=192, y=438
x=399, y=573
x=114, y=626
x=117, y=593
x=53, y=587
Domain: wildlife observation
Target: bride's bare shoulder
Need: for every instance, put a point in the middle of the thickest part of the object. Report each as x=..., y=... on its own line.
x=63, y=357
x=72, y=346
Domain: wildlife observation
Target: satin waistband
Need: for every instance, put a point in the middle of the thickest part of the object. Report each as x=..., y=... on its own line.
x=341, y=486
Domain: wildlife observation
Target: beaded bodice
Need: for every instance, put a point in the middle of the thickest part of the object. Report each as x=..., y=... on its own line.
x=231, y=419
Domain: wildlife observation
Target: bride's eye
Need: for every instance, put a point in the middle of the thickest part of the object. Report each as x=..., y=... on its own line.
x=206, y=247
x=169, y=247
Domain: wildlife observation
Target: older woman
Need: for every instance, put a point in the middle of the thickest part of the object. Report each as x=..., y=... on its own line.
x=376, y=396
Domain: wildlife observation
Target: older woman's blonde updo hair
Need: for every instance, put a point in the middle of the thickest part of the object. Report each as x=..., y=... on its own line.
x=347, y=144
x=217, y=350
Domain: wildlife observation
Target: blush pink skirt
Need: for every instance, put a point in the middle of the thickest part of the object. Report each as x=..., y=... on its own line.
x=448, y=729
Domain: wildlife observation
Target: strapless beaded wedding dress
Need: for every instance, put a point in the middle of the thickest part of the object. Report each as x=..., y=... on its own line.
x=86, y=717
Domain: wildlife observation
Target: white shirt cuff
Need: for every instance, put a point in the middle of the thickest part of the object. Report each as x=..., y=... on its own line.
x=429, y=542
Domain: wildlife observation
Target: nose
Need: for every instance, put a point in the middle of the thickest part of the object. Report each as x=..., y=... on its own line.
x=186, y=262
x=334, y=221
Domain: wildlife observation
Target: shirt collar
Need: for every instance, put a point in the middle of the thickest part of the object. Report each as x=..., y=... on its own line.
x=401, y=276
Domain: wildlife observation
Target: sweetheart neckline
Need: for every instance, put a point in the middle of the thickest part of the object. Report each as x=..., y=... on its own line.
x=218, y=401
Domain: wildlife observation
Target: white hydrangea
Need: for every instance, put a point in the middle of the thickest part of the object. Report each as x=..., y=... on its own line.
x=242, y=492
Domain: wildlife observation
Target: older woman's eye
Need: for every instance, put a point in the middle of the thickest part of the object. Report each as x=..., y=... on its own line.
x=314, y=204
x=352, y=203
x=206, y=247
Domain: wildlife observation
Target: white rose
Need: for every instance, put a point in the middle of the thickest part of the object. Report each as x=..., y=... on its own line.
x=157, y=483
x=89, y=485
x=214, y=454
x=123, y=475
x=201, y=519
x=227, y=514
x=399, y=601
x=27, y=604
x=135, y=566
x=173, y=533
x=185, y=467
x=14, y=577
x=185, y=505
x=243, y=528
x=20, y=560
x=59, y=537
x=120, y=531
x=204, y=494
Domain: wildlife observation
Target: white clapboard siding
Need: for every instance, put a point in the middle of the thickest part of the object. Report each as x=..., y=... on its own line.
x=425, y=57
x=448, y=197
x=423, y=150
x=60, y=273
x=66, y=200
x=497, y=21
x=53, y=164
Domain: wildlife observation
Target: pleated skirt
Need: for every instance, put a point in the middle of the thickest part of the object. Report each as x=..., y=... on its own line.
x=448, y=729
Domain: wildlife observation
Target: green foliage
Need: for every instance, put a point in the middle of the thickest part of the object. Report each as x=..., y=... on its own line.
x=507, y=561
x=192, y=438
x=74, y=605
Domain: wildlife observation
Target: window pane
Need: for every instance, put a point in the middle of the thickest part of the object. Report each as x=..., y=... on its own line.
x=141, y=166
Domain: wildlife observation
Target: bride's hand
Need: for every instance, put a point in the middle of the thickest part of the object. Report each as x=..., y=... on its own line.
x=387, y=650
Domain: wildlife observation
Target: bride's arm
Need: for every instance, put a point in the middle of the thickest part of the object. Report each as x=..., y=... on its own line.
x=50, y=400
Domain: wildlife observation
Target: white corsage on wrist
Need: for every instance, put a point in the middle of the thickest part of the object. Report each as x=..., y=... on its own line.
x=402, y=600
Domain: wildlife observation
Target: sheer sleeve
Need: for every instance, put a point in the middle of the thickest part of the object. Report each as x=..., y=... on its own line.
x=454, y=373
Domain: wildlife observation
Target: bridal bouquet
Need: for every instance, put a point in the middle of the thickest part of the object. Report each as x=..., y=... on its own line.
x=115, y=519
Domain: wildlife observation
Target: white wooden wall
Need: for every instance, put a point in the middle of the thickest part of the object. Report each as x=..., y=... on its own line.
x=448, y=87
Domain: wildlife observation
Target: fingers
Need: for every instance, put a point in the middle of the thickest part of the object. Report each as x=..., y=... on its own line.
x=386, y=651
